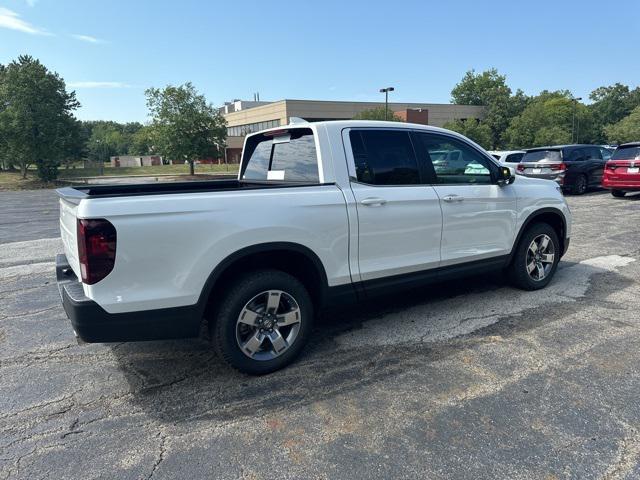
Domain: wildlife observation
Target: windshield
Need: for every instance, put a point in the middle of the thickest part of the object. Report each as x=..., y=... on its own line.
x=289, y=156
x=626, y=153
x=542, y=155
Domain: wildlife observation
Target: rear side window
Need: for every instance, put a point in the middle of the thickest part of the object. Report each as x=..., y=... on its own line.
x=626, y=153
x=542, y=155
x=514, y=158
x=289, y=156
x=384, y=157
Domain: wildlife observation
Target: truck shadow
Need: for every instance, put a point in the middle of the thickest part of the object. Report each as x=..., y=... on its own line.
x=182, y=381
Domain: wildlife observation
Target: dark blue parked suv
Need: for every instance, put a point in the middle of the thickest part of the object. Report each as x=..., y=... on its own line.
x=575, y=167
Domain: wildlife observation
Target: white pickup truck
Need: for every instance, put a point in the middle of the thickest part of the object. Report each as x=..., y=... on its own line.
x=320, y=214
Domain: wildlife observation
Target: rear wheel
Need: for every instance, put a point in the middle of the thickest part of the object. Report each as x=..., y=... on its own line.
x=617, y=193
x=263, y=322
x=536, y=257
x=580, y=184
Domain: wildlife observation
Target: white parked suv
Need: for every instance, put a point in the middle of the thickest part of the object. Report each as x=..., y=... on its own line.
x=320, y=214
x=508, y=158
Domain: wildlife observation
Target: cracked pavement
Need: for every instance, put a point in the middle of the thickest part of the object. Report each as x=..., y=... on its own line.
x=472, y=379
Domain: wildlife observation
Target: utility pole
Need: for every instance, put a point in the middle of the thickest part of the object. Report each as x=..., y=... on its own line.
x=574, y=130
x=386, y=100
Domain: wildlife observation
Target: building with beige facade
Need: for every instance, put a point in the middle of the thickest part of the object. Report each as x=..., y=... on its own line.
x=244, y=117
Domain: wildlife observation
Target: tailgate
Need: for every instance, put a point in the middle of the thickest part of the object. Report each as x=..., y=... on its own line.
x=68, y=226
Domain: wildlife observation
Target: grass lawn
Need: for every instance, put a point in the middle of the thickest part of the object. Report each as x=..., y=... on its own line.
x=14, y=181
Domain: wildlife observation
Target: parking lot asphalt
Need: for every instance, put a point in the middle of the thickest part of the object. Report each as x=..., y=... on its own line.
x=473, y=379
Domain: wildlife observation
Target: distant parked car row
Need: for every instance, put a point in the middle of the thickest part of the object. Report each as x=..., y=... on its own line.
x=574, y=167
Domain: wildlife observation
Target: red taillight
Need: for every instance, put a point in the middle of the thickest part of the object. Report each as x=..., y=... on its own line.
x=96, y=249
x=558, y=166
x=520, y=167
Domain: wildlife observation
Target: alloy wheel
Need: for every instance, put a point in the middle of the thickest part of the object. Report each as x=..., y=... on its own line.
x=268, y=325
x=540, y=257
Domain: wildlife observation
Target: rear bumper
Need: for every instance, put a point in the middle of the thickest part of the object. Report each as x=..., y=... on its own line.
x=91, y=323
x=558, y=178
x=628, y=185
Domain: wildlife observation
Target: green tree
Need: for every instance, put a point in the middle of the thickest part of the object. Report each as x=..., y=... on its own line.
x=626, y=130
x=490, y=89
x=105, y=141
x=186, y=126
x=548, y=120
x=377, y=113
x=35, y=115
x=477, y=131
x=107, y=138
x=611, y=104
x=143, y=142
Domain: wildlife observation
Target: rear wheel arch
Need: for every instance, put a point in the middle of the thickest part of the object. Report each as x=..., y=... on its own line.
x=551, y=216
x=292, y=258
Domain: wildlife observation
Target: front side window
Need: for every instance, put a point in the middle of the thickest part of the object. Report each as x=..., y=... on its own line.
x=287, y=155
x=384, y=157
x=594, y=153
x=453, y=161
x=606, y=153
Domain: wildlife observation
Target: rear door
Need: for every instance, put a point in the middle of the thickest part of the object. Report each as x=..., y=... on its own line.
x=399, y=216
x=479, y=216
x=595, y=165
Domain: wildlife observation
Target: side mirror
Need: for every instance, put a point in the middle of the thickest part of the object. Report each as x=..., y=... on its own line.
x=505, y=176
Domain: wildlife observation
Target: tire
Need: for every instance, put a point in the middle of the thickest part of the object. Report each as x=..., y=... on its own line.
x=523, y=258
x=618, y=193
x=249, y=298
x=580, y=185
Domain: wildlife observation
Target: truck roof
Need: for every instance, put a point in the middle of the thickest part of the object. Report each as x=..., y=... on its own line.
x=299, y=123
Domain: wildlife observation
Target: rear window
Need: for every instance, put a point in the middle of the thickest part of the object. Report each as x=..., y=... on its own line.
x=542, y=155
x=626, y=153
x=497, y=157
x=289, y=156
x=514, y=158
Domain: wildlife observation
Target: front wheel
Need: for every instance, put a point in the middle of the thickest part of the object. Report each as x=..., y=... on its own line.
x=617, y=193
x=263, y=322
x=536, y=257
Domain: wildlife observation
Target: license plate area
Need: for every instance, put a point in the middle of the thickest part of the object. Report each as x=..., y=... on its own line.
x=633, y=170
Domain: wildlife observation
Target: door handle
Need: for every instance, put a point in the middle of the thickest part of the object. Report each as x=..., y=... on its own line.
x=372, y=201
x=452, y=198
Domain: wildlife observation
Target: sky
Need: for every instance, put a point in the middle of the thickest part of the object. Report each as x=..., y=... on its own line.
x=110, y=52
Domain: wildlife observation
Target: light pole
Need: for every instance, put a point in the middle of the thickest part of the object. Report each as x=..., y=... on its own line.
x=574, y=130
x=386, y=100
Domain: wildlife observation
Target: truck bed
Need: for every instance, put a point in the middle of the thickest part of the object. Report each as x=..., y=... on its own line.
x=165, y=188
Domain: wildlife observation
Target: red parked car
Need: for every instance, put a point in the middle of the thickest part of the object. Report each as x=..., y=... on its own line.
x=622, y=171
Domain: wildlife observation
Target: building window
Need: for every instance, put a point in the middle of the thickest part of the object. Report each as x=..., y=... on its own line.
x=243, y=130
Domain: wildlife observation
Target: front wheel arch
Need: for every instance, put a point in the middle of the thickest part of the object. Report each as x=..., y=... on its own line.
x=552, y=216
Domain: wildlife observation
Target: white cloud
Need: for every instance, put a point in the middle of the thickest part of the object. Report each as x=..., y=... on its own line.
x=98, y=85
x=87, y=38
x=11, y=20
